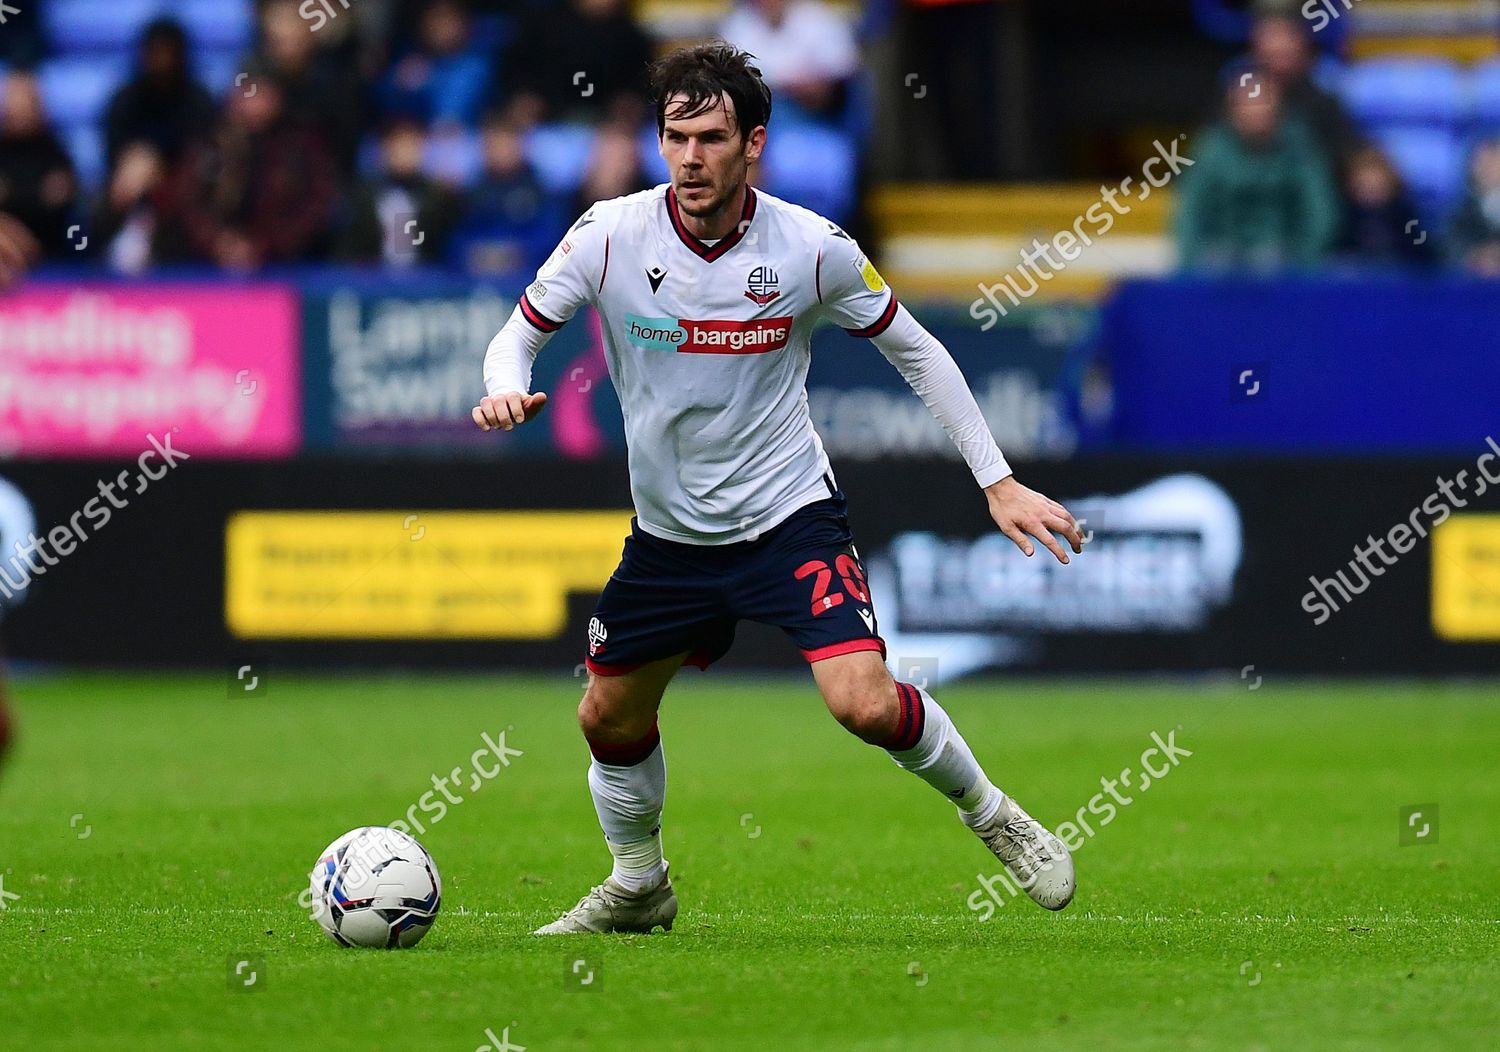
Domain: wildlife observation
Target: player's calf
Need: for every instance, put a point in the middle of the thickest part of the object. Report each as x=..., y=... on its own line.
x=908, y=723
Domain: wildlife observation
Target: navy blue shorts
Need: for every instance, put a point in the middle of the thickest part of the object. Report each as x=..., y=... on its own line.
x=803, y=576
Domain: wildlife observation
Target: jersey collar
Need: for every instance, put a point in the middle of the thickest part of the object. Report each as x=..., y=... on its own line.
x=709, y=253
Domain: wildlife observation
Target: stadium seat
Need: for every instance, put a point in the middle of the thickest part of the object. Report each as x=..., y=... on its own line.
x=453, y=156
x=220, y=24
x=1405, y=91
x=1484, y=95
x=1430, y=160
x=218, y=68
x=85, y=144
x=559, y=152
x=75, y=26
x=814, y=167
x=76, y=90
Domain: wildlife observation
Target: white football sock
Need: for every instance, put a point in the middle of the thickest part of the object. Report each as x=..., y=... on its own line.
x=629, y=803
x=943, y=760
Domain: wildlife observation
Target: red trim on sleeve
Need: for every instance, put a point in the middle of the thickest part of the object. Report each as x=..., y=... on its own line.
x=536, y=317
x=881, y=323
x=853, y=646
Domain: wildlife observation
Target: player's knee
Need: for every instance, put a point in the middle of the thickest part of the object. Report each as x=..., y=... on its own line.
x=867, y=707
x=605, y=715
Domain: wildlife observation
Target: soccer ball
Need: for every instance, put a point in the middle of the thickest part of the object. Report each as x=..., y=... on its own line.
x=376, y=886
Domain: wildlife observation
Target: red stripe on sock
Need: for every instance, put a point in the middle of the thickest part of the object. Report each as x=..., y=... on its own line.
x=911, y=722
x=628, y=754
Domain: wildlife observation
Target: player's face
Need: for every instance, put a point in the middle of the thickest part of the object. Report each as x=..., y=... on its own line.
x=707, y=157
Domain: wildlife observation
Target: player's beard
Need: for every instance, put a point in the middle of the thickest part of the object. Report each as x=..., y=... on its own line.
x=717, y=205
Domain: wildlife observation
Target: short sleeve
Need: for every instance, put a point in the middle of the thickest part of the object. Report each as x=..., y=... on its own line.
x=852, y=292
x=572, y=275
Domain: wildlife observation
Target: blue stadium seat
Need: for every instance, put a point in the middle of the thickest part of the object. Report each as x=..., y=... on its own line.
x=1430, y=160
x=559, y=152
x=85, y=144
x=1405, y=91
x=1484, y=94
x=650, y=154
x=76, y=90
x=453, y=157
x=814, y=167
x=75, y=26
x=218, y=24
x=218, y=68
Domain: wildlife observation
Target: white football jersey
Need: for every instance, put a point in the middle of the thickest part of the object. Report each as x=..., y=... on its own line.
x=708, y=347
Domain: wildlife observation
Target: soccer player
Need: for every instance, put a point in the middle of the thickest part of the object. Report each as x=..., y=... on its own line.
x=709, y=291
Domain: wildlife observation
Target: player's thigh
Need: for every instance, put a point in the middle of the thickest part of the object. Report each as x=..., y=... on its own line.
x=622, y=708
x=808, y=581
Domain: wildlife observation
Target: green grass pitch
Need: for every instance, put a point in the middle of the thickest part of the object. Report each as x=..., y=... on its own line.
x=1257, y=896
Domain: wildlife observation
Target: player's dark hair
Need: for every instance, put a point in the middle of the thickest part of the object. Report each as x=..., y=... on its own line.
x=703, y=75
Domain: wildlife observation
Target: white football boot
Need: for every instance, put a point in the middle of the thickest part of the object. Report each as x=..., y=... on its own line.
x=1038, y=860
x=609, y=907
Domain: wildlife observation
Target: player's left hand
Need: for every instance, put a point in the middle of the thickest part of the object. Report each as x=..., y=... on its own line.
x=1019, y=511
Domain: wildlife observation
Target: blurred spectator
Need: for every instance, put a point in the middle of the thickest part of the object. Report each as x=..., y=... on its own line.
x=1259, y=195
x=399, y=216
x=260, y=188
x=614, y=168
x=162, y=106
x=804, y=50
x=447, y=77
x=1380, y=221
x=1281, y=47
x=37, y=182
x=1475, y=231
x=19, y=250
x=126, y=220
x=509, y=222
x=584, y=61
x=319, y=89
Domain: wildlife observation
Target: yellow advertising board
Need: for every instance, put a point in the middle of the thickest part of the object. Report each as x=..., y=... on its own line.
x=1466, y=578
x=426, y=575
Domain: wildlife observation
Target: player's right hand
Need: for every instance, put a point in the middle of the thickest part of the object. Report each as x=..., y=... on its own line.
x=508, y=410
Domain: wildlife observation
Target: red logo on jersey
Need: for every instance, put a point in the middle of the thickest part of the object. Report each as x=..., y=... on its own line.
x=761, y=288
x=736, y=337
x=758, y=336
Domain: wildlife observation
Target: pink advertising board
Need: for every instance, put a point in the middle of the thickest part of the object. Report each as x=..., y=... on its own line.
x=91, y=370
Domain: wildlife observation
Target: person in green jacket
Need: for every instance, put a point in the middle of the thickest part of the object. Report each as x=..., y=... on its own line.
x=1260, y=195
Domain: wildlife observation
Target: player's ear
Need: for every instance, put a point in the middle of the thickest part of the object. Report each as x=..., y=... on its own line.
x=755, y=143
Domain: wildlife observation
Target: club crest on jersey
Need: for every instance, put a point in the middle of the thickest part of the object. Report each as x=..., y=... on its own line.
x=682, y=336
x=762, y=286
x=597, y=636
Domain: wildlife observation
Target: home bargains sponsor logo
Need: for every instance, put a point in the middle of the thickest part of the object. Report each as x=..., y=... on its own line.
x=760, y=336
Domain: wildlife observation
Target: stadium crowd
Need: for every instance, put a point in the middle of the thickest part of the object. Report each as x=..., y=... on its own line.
x=468, y=133
x=382, y=131
x=1288, y=177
